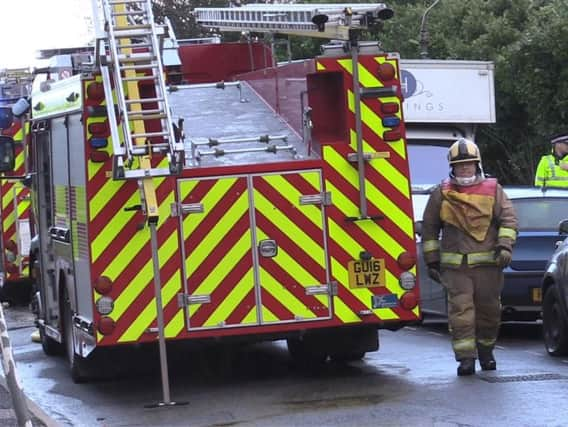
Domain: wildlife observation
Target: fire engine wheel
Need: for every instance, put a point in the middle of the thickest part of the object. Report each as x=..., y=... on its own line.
x=347, y=356
x=306, y=353
x=49, y=345
x=76, y=362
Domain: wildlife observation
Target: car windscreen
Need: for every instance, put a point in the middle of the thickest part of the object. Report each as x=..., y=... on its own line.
x=428, y=164
x=540, y=214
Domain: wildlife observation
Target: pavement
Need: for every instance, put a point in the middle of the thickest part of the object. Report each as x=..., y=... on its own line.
x=7, y=414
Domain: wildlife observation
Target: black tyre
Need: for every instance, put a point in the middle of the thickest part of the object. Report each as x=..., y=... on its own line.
x=347, y=356
x=554, y=326
x=77, y=364
x=49, y=345
x=306, y=354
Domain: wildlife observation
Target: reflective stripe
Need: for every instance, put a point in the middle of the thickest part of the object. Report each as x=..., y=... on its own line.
x=481, y=258
x=507, y=232
x=431, y=245
x=486, y=342
x=451, y=258
x=551, y=166
x=454, y=258
x=465, y=344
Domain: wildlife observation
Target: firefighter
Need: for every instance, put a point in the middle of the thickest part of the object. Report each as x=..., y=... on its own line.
x=552, y=169
x=478, y=228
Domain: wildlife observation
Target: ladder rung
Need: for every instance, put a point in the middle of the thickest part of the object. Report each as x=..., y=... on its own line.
x=139, y=67
x=128, y=34
x=148, y=111
x=137, y=58
x=129, y=13
x=133, y=27
x=143, y=100
x=138, y=79
x=143, y=149
x=149, y=134
x=142, y=117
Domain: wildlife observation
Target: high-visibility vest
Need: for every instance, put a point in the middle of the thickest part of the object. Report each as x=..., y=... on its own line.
x=550, y=174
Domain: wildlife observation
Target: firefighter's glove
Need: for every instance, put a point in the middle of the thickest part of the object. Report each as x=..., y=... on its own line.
x=434, y=271
x=503, y=257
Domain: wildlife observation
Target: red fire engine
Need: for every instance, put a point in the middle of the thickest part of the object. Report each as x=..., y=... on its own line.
x=15, y=206
x=272, y=206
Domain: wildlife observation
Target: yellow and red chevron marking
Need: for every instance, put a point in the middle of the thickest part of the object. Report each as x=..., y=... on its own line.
x=119, y=245
x=217, y=247
x=15, y=206
x=387, y=194
x=301, y=259
x=219, y=261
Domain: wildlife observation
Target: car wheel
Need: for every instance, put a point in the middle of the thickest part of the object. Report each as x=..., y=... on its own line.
x=554, y=325
x=76, y=362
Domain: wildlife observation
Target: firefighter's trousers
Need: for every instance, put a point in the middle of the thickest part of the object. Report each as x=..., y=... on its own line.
x=474, y=308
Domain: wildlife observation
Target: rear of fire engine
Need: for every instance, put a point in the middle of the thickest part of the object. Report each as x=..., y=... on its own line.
x=176, y=206
x=15, y=206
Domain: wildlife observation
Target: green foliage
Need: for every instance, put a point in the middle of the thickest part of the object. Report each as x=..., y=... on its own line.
x=526, y=39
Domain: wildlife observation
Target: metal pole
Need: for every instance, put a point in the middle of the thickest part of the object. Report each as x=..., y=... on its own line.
x=359, y=130
x=9, y=365
x=424, y=37
x=160, y=317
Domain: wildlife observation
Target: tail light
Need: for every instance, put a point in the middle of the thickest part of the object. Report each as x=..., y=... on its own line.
x=406, y=260
x=103, y=285
x=409, y=301
x=106, y=325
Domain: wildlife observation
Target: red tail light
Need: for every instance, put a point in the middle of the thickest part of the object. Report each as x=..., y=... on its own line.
x=106, y=325
x=386, y=72
x=103, y=285
x=409, y=301
x=406, y=260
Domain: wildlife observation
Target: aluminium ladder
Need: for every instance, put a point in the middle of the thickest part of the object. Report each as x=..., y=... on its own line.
x=333, y=21
x=131, y=52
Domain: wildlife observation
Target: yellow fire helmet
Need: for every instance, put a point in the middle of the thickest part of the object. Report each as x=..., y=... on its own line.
x=463, y=150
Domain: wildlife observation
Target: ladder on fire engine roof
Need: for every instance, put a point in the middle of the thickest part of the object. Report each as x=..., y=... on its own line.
x=134, y=56
x=333, y=21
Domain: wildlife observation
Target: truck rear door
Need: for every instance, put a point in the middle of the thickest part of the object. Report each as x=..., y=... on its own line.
x=254, y=249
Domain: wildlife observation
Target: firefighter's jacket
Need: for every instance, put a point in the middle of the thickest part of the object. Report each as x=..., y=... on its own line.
x=549, y=172
x=476, y=221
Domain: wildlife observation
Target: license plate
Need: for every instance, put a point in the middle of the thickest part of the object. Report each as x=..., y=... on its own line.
x=366, y=273
x=536, y=295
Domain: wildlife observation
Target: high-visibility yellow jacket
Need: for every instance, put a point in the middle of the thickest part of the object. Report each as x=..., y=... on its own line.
x=549, y=173
x=474, y=221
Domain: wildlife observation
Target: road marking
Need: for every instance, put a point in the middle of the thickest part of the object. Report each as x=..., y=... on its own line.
x=500, y=347
x=564, y=361
x=436, y=333
x=534, y=353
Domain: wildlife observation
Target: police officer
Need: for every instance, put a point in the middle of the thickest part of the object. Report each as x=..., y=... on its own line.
x=552, y=169
x=478, y=228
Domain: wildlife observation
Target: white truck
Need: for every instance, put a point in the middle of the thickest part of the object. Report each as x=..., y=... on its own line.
x=444, y=100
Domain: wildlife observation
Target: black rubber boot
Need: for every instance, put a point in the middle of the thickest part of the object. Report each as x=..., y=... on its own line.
x=466, y=367
x=486, y=359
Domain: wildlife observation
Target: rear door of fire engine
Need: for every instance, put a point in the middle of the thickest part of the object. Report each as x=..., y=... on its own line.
x=254, y=249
